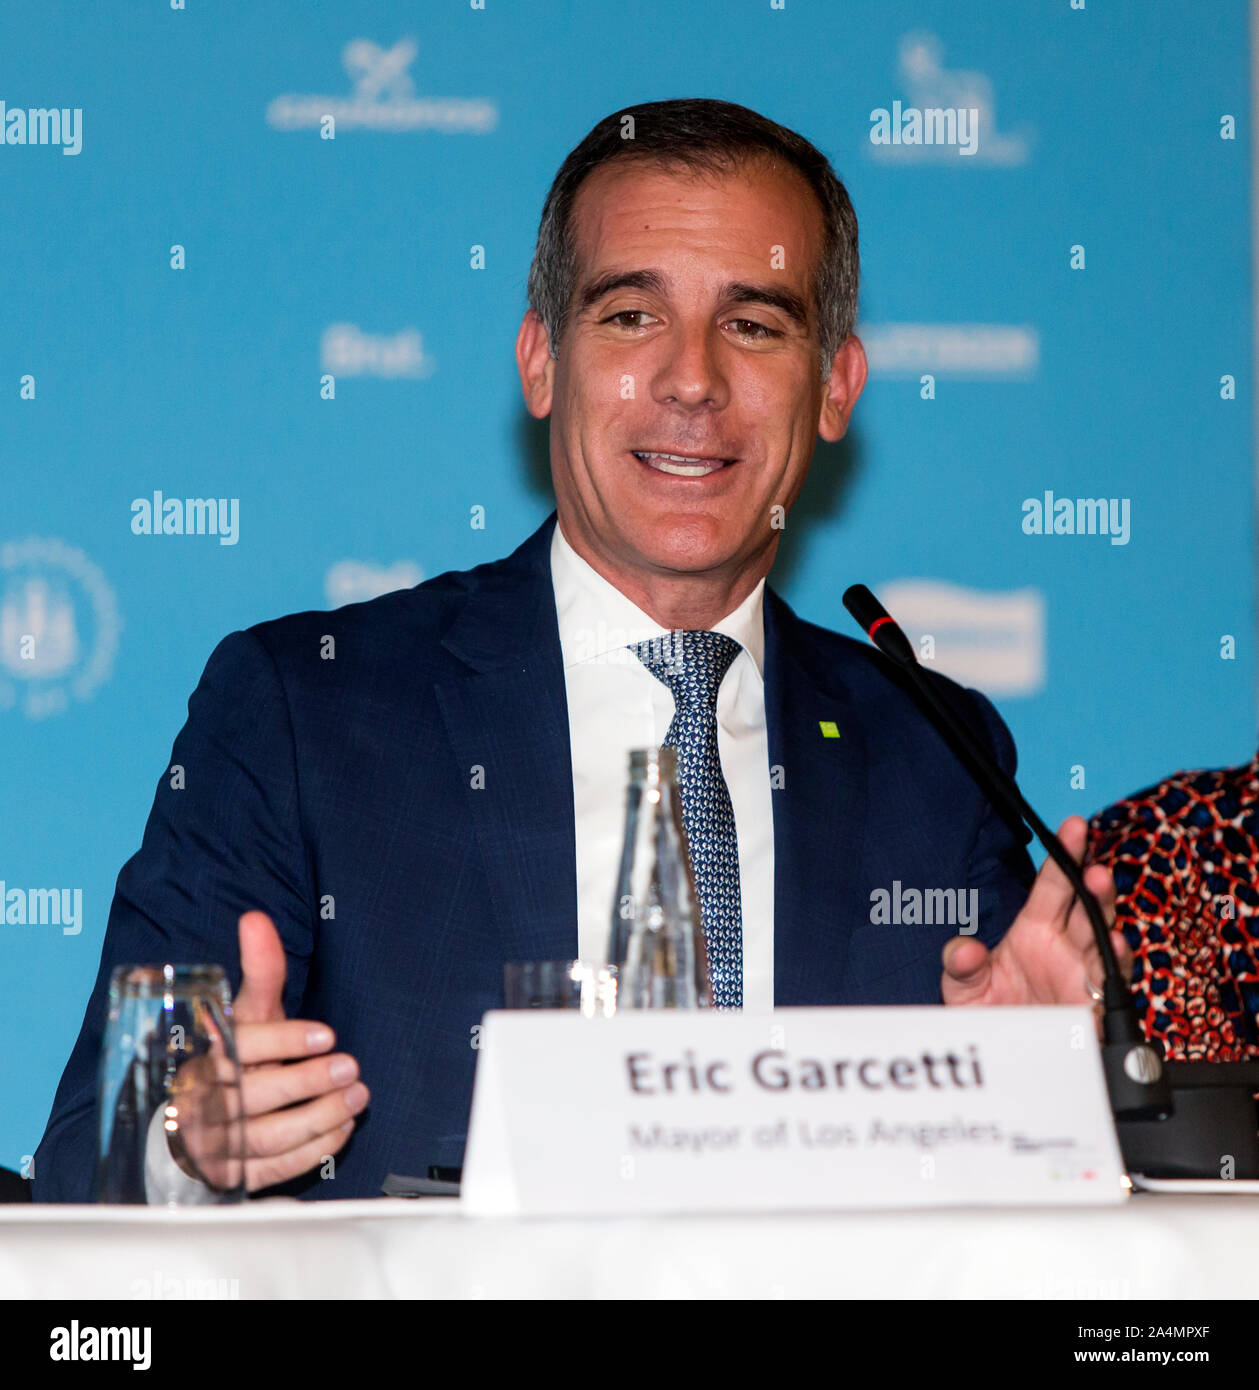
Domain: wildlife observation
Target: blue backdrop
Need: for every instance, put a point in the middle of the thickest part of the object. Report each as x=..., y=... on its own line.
x=1066, y=309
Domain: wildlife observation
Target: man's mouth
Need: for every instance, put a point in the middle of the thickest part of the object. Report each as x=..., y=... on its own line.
x=681, y=465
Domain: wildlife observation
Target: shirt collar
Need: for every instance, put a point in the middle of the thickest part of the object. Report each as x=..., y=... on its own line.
x=596, y=620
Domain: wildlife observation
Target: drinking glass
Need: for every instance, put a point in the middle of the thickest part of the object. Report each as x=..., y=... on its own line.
x=560, y=984
x=169, y=1074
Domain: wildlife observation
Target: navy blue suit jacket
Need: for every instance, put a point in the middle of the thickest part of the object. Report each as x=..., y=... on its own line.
x=335, y=792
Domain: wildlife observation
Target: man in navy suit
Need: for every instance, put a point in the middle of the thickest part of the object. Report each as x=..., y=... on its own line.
x=384, y=804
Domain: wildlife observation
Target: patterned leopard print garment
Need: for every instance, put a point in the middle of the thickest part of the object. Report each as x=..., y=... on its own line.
x=1184, y=854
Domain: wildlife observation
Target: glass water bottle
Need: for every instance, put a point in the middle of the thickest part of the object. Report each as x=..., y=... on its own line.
x=657, y=938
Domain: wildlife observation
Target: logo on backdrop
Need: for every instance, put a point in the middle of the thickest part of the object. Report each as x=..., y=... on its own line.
x=345, y=350
x=355, y=581
x=968, y=351
x=948, y=114
x=383, y=98
x=993, y=641
x=59, y=627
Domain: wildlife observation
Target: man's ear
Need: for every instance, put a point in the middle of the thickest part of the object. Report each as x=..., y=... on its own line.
x=536, y=365
x=847, y=380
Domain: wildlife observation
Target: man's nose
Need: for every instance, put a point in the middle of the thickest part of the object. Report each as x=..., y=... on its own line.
x=691, y=373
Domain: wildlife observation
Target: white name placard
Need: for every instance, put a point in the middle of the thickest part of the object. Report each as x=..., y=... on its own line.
x=799, y=1109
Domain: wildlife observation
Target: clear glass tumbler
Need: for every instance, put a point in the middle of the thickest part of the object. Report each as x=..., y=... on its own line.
x=560, y=984
x=169, y=1071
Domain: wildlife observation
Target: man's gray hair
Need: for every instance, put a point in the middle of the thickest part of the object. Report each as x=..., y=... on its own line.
x=707, y=137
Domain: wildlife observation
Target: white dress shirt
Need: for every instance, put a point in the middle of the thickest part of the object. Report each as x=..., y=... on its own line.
x=616, y=704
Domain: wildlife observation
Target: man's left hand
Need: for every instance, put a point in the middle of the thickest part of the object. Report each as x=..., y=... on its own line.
x=1044, y=957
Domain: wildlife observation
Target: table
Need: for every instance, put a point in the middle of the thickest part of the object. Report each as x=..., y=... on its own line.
x=1155, y=1246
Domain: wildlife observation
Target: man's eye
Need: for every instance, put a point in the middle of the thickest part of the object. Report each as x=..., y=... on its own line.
x=746, y=328
x=628, y=313
x=751, y=329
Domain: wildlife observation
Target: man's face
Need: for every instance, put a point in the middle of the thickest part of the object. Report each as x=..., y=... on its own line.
x=692, y=331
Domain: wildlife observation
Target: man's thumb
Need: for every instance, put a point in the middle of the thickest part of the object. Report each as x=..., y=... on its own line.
x=262, y=971
x=967, y=970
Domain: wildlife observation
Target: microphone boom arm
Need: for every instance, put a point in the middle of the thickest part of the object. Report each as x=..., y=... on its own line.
x=1135, y=1075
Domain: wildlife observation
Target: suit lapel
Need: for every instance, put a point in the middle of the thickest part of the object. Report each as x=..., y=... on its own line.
x=508, y=716
x=819, y=812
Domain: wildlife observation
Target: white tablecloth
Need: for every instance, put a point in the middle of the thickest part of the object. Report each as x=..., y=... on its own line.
x=1155, y=1246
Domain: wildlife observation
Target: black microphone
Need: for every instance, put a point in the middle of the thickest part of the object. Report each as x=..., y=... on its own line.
x=1135, y=1076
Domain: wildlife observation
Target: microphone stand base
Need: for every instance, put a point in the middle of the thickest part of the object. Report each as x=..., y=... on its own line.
x=1213, y=1128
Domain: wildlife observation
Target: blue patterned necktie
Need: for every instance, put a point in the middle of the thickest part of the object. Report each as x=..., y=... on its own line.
x=692, y=665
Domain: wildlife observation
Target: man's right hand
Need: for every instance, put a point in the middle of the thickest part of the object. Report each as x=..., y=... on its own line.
x=300, y=1100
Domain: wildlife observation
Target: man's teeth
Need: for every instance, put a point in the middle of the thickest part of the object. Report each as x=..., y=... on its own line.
x=681, y=464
